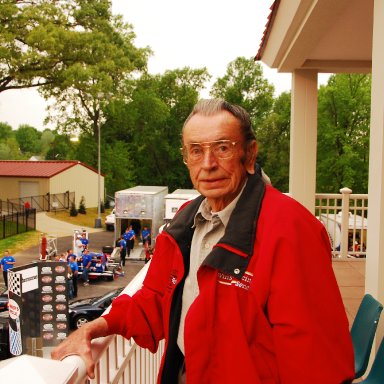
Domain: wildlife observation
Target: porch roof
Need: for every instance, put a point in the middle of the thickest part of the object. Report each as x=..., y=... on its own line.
x=329, y=36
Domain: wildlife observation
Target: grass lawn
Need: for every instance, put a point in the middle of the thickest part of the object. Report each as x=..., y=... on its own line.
x=19, y=242
x=32, y=238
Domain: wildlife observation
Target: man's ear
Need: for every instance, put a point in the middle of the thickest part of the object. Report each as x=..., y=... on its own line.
x=250, y=157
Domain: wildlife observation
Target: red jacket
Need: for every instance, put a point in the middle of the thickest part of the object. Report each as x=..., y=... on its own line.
x=269, y=309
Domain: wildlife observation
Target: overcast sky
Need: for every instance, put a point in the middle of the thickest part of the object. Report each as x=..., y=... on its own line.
x=198, y=33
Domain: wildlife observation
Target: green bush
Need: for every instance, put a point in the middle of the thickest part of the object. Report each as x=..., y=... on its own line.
x=82, y=209
x=73, y=211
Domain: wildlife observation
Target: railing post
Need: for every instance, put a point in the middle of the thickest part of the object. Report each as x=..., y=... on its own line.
x=345, y=192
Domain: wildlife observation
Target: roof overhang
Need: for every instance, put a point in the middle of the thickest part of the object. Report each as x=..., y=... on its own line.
x=325, y=35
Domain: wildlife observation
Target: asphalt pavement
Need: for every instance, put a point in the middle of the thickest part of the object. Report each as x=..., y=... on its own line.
x=62, y=233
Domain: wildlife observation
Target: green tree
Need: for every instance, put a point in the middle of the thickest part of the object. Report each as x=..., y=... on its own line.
x=104, y=55
x=9, y=149
x=46, y=140
x=151, y=123
x=29, y=139
x=60, y=148
x=244, y=84
x=117, y=167
x=273, y=138
x=32, y=42
x=5, y=131
x=343, y=133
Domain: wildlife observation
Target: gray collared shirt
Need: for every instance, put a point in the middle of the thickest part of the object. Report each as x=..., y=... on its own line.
x=209, y=229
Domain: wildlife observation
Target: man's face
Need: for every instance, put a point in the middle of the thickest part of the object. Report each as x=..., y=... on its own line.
x=220, y=180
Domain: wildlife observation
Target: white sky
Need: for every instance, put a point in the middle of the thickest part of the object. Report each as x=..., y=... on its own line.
x=198, y=33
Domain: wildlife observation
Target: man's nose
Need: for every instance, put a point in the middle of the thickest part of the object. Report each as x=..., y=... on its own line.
x=209, y=159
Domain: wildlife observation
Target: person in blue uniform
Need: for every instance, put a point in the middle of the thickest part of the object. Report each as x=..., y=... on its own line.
x=87, y=262
x=123, y=250
x=7, y=263
x=129, y=236
x=72, y=264
x=146, y=237
x=84, y=241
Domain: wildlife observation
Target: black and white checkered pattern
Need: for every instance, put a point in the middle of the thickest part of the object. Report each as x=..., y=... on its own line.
x=16, y=347
x=14, y=282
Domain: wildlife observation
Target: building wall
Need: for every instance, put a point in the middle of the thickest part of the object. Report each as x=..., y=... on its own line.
x=10, y=186
x=81, y=180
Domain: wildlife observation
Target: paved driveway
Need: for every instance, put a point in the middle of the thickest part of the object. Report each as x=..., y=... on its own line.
x=58, y=228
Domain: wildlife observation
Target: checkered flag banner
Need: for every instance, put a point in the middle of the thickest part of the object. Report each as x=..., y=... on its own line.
x=15, y=347
x=14, y=282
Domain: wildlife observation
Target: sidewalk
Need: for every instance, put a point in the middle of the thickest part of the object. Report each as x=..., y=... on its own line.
x=58, y=228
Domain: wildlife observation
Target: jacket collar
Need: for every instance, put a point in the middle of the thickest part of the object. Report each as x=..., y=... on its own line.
x=233, y=252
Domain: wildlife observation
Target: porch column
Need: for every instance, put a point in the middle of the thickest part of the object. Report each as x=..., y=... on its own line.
x=374, y=272
x=303, y=141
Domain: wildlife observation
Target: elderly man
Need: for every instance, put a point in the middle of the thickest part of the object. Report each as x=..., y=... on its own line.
x=241, y=283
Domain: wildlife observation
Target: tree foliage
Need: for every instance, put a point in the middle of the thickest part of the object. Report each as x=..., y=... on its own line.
x=151, y=122
x=31, y=42
x=57, y=43
x=273, y=138
x=29, y=139
x=343, y=133
x=244, y=84
x=103, y=55
x=5, y=131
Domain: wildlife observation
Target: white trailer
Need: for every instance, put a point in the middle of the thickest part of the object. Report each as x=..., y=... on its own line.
x=174, y=200
x=140, y=206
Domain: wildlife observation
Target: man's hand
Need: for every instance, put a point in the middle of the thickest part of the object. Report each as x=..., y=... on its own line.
x=79, y=343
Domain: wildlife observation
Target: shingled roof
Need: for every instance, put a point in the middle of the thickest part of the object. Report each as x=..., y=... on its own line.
x=42, y=169
x=268, y=28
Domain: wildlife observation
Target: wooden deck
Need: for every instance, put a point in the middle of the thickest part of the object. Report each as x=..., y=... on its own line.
x=350, y=275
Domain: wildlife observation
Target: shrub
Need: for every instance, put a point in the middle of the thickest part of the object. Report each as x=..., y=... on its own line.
x=73, y=210
x=82, y=206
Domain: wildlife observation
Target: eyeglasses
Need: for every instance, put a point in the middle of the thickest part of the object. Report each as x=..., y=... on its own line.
x=221, y=149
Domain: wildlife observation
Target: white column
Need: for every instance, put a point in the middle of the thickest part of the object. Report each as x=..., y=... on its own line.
x=303, y=144
x=374, y=276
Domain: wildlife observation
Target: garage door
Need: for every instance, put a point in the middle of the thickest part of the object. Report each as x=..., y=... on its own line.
x=28, y=188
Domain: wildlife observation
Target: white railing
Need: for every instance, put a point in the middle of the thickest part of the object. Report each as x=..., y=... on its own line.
x=122, y=361
x=119, y=360
x=345, y=217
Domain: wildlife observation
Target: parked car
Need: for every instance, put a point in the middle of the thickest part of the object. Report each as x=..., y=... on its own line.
x=84, y=310
x=110, y=221
x=4, y=300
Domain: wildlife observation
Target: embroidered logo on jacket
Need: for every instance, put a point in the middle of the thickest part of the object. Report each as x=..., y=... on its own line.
x=244, y=283
x=172, y=280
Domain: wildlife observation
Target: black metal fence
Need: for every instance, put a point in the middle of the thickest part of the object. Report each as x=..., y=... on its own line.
x=48, y=202
x=18, y=222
